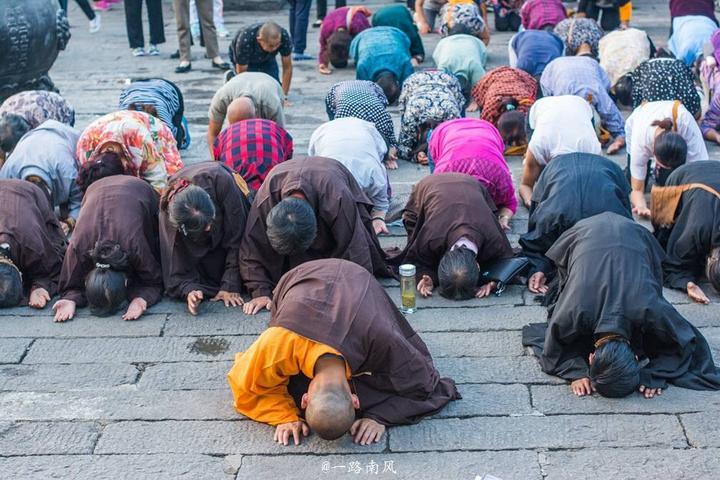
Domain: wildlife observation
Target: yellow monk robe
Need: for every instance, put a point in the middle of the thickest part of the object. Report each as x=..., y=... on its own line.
x=626, y=13
x=260, y=375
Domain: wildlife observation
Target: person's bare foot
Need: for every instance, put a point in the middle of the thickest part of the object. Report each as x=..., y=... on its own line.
x=615, y=146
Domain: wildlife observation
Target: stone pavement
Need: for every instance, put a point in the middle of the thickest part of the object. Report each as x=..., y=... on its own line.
x=102, y=398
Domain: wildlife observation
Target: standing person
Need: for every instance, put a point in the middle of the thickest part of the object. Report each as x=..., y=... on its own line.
x=113, y=254
x=322, y=10
x=337, y=32
x=92, y=16
x=607, y=12
x=255, y=47
x=299, y=17
x=218, y=18
x=133, y=23
x=182, y=19
x=399, y=16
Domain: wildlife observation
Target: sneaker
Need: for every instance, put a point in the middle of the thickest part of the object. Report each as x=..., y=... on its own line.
x=228, y=75
x=101, y=6
x=153, y=51
x=95, y=24
x=317, y=23
x=138, y=52
x=299, y=57
x=222, y=32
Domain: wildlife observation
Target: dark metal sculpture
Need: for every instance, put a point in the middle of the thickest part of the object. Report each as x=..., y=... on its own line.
x=32, y=33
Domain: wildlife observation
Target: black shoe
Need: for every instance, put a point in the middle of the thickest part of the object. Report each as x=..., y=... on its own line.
x=183, y=68
x=175, y=55
x=228, y=75
x=221, y=66
x=317, y=23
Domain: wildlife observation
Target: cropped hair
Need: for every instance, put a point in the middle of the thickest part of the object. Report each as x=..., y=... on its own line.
x=190, y=211
x=291, y=226
x=390, y=86
x=458, y=274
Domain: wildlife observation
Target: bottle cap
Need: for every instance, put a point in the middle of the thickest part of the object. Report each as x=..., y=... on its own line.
x=407, y=270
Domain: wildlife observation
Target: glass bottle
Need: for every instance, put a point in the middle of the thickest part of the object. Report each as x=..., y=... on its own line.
x=407, y=288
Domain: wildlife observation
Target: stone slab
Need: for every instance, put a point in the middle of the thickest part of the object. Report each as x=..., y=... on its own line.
x=186, y=376
x=48, y=438
x=213, y=438
x=474, y=344
x=129, y=350
x=155, y=467
x=52, y=378
x=510, y=465
x=126, y=403
x=523, y=369
x=475, y=319
x=563, y=431
x=13, y=349
x=223, y=323
x=81, y=326
x=512, y=296
x=560, y=400
x=702, y=429
x=700, y=315
x=632, y=464
x=487, y=400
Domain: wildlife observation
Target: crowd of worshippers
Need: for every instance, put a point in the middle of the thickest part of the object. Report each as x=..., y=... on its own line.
x=111, y=218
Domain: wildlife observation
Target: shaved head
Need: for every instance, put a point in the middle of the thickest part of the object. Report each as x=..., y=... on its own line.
x=330, y=411
x=270, y=32
x=242, y=108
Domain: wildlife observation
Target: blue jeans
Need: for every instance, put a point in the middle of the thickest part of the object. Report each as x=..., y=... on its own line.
x=270, y=67
x=299, y=16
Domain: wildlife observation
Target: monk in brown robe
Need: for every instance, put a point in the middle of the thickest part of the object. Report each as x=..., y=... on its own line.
x=32, y=245
x=202, y=220
x=307, y=209
x=114, y=254
x=334, y=326
x=452, y=231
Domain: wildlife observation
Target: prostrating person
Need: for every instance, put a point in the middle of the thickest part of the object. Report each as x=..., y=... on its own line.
x=32, y=245
x=45, y=156
x=464, y=56
x=450, y=250
x=661, y=136
x=532, y=50
x=399, y=16
x=559, y=125
x=243, y=97
x=604, y=340
x=337, y=31
x=686, y=217
x=202, y=220
x=339, y=344
x=113, y=257
x=307, y=209
x=382, y=55
x=572, y=187
x=357, y=144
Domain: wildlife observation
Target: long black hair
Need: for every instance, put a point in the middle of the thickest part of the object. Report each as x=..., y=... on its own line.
x=106, y=284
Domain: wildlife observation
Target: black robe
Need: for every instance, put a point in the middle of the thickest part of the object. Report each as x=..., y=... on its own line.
x=124, y=210
x=572, y=187
x=211, y=266
x=340, y=304
x=441, y=210
x=610, y=282
x=29, y=225
x=696, y=230
x=344, y=225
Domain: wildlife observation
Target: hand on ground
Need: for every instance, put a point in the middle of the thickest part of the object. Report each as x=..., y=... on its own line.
x=135, y=310
x=425, y=286
x=194, y=299
x=650, y=392
x=582, y=387
x=38, y=298
x=486, y=290
x=366, y=431
x=615, y=146
x=380, y=227
x=231, y=299
x=64, y=310
x=643, y=212
x=536, y=283
x=256, y=304
x=285, y=430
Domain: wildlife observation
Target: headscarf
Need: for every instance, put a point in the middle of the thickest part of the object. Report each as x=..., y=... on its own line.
x=164, y=96
x=576, y=31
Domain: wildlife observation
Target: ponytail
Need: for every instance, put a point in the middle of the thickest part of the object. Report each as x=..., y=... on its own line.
x=666, y=124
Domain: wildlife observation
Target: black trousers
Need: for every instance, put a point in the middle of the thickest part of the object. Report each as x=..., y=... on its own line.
x=84, y=6
x=609, y=17
x=322, y=7
x=133, y=22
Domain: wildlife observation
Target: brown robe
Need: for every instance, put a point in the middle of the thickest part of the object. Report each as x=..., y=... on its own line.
x=124, y=210
x=343, y=214
x=211, y=266
x=29, y=225
x=340, y=304
x=441, y=210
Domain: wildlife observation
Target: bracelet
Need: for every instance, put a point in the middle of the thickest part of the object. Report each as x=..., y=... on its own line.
x=382, y=219
x=504, y=216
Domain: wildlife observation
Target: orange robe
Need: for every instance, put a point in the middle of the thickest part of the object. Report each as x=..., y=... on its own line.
x=260, y=376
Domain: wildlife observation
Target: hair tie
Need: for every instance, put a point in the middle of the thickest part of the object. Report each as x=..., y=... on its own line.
x=183, y=229
x=510, y=107
x=102, y=266
x=609, y=338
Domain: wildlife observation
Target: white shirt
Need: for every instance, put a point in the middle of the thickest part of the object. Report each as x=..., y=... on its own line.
x=640, y=135
x=356, y=144
x=561, y=125
x=621, y=51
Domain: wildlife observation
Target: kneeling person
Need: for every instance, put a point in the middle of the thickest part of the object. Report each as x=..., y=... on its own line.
x=358, y=352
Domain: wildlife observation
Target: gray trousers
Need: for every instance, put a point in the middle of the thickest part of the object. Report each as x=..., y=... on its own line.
x=182, y=18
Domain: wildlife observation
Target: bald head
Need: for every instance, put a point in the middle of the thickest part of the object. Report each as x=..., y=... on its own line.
x=330, y=412
x=242, y=108
x=270, y=36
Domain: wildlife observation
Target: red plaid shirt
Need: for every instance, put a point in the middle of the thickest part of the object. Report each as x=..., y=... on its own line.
x=252, y=148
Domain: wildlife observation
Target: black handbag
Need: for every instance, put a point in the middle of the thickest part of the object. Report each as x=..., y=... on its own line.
x=503, y=271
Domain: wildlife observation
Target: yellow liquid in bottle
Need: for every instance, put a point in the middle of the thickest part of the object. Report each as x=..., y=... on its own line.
x=408, y=300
